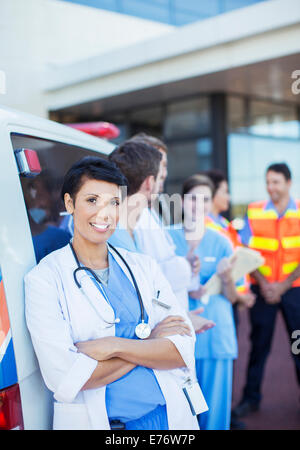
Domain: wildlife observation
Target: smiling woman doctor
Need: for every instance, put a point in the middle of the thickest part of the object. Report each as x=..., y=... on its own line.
x=85, y=306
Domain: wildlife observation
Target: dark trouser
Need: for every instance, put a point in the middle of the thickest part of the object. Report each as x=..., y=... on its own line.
x=262, y=319
x=235, y=315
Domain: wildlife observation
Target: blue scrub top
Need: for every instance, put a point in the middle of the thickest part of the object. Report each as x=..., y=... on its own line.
x=138, y=392
x=121, y=238
x=220, y=341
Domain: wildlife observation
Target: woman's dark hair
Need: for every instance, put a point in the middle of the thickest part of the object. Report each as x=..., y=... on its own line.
x=91, y=168
x=137, y=160
x=217, y=177
x=196, y=180
x=280, y=168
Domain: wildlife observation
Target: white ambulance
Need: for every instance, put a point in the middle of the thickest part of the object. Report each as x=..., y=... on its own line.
x=35, y=153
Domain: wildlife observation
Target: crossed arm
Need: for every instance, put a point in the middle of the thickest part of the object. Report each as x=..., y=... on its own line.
x=65, y=371
x=118, y=356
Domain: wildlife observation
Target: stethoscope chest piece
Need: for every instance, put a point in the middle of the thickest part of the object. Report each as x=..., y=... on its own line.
x=143, y=330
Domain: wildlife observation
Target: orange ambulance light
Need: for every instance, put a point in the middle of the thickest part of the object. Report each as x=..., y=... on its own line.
x=100, y=129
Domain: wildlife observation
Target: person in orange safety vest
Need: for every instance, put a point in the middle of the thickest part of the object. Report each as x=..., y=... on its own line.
x=216, y=221
x=272, y=227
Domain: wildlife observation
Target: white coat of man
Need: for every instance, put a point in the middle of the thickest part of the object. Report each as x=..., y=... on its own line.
x=153, y=240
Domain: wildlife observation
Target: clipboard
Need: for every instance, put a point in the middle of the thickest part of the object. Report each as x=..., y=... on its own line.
x=247, y=260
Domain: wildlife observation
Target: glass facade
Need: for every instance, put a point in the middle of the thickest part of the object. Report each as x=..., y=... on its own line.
x=237, y=134
x=185, y=126
x=260, y=133
x=267, y=119
x=172, y=12
x=187, y=118
x=185, y=158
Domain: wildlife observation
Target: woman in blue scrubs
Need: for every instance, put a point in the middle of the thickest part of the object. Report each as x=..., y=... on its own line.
x=217, y=348
x=137, y=393
x=85, y=306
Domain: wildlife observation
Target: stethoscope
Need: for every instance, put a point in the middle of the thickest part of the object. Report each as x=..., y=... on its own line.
x=142, y=330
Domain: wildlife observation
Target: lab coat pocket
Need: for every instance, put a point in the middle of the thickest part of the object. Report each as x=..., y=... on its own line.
x=71, y=416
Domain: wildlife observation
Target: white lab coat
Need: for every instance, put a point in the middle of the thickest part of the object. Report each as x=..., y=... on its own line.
x=153, y=240
x=58, y=315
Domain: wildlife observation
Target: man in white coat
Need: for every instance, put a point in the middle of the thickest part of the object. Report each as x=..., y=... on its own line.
x=153, y=240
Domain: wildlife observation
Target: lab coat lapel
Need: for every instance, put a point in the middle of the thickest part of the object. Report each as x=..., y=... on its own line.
x=91, y=292
x=96, y=298
x=143, y=284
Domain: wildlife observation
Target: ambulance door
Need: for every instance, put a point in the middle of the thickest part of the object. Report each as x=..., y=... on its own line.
x=33, y=223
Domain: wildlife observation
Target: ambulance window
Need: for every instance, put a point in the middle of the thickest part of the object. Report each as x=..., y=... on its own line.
x=50, y=227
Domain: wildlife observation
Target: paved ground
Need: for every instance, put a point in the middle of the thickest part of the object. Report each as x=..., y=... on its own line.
x=280, y=406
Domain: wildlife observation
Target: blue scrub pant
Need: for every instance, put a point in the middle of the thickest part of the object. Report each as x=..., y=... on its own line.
x=215, y=379
x=154, y=420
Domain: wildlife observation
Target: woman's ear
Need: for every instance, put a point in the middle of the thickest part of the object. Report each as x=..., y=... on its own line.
x=69, y=203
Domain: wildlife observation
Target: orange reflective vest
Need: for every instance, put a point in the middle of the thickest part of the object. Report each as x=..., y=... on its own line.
x=227, y=230
x=224, y=228
x=276, y=238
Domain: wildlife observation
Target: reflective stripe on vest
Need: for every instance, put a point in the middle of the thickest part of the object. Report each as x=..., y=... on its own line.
x=263, y=243
x=288, y=268
x=277, y=238
x=259, y=213
x=242, y=289
x=290, y=242
x=292, y=214
x=266, y=271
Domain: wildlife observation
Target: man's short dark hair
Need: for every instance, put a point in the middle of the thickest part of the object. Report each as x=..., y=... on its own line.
x=91, y=168
x=136, y=160
x=151, y=140
x=216, y=176
x=280, y=168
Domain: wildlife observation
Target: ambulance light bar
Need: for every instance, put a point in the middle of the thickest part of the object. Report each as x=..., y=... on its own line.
x=99, y=129
x=28, y=162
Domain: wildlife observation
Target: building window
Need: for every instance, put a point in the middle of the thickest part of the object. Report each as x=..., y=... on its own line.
x=173, y=12
x=236, y=114
x=248, y=158
x=148, y=120
x=187, y=118
x=260, y=133
x=151, y=10
x=270, y=119
x=185, y=158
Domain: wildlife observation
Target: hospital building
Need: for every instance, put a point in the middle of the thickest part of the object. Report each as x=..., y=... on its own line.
x=217, y=80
